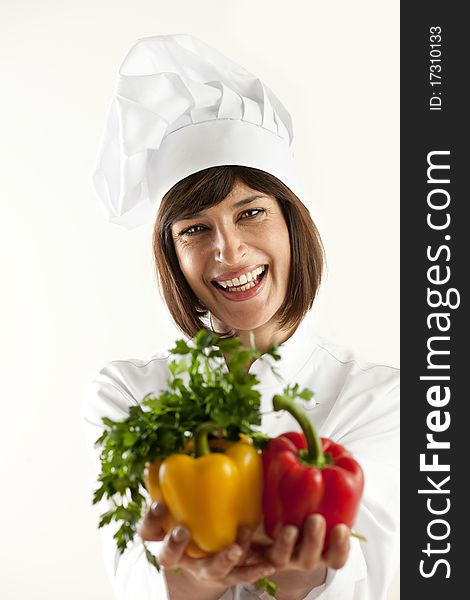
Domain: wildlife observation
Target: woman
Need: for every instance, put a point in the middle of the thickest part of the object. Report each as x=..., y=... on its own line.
x=237, y=251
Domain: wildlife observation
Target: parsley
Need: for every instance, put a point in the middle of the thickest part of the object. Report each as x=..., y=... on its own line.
x=199, y=390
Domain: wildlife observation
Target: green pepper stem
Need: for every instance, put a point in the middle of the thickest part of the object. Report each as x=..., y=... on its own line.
x=315, y=455
x=202, y=443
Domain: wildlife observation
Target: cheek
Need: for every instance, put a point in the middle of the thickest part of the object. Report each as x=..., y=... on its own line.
x=281, y=248
x=184, y=259
x=191, y=264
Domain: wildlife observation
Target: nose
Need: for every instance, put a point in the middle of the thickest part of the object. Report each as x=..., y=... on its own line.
x=229, y=247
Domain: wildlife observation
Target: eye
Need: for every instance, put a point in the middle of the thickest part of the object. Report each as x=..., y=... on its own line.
x=252, y=212
x=195, y=229
x=192, y=229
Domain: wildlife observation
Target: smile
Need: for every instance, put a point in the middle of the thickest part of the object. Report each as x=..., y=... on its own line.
x=246, y=281
x=243, y=287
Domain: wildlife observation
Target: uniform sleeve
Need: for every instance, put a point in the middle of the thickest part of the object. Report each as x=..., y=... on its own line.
x=365, y=419
x=131, y=576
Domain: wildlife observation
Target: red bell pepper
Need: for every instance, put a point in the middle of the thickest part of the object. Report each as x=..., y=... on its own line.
x=304, y=474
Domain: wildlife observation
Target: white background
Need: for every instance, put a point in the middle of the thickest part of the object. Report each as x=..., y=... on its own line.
x=78, y=292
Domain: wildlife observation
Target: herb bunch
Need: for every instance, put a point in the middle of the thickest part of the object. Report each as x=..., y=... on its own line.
x=199, y=390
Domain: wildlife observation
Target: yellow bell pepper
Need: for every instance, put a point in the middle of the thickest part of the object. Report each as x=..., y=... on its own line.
x=212, y=494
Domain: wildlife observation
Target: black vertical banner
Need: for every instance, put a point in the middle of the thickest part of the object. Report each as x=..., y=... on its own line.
x=435, y=253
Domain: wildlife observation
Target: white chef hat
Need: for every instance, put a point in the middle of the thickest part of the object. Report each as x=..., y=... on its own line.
x=180, y=107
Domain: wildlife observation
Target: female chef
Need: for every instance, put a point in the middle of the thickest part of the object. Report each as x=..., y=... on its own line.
x=202, y=149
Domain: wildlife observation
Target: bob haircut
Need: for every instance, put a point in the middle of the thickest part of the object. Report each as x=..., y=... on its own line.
x=206, y=188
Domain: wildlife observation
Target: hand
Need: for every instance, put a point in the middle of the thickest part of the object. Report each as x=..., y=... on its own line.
x=299, y=568
x=284, y=554
x=235, y=564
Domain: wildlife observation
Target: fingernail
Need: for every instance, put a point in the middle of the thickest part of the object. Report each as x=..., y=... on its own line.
x=157, y=508
x=290, y=533
x=245, y=531
x=317, y=523
x=180, y=534
x=234, y=553
x=343, y=533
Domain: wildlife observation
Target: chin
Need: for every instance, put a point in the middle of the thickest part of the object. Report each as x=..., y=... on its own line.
x=247, y=323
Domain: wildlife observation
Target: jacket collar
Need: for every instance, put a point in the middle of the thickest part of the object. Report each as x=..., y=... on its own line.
x=295, y=353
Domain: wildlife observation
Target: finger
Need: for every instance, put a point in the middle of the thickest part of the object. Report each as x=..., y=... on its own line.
x=254, y=557
x=338, y=549
x=176, y=542
x=249, y=574
x=308, y=555
x=251, y=555
x=216, y=566
x=150, y=528
x=225, y=561
x=280, y=552
x=244, y=537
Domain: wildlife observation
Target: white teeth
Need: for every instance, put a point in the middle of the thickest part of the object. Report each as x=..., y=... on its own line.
x=243, y=288
x=243, y=280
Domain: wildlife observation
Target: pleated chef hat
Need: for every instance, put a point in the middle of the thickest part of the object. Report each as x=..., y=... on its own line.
x=179, y=107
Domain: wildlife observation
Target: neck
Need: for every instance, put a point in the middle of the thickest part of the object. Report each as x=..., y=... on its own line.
x=265, y=336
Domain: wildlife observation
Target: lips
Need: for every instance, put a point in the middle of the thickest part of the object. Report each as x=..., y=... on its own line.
x=228, y=276
x=243, y=280
x=243, y=291
x=240, y=280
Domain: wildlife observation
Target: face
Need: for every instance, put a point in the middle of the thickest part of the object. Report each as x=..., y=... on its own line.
x=236, y=257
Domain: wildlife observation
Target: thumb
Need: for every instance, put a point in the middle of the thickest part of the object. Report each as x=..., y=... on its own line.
x=150, y=528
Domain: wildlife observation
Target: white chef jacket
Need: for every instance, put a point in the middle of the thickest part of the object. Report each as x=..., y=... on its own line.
x=355, y=404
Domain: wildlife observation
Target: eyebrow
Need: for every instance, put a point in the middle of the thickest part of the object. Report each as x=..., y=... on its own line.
x=238, y=204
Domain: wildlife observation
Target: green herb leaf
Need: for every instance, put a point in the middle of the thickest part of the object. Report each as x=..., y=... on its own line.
x=209, y=381
x=151, y=558
x=268, y=586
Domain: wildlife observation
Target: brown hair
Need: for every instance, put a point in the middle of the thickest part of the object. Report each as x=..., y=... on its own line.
x=206, y=188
